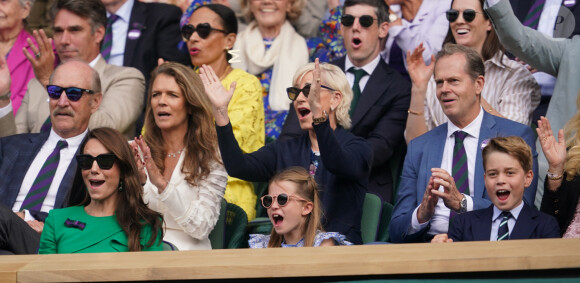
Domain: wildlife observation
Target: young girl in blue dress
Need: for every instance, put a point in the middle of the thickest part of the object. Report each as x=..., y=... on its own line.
x=294, y=209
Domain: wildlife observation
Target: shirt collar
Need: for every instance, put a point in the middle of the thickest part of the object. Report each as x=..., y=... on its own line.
x=94, y=62
x=73, y=142
x=472, y=129
x=515, y=212
x=124, y=12
x=369, y=68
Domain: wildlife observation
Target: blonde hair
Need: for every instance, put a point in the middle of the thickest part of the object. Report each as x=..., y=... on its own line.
x=333, y=77
x=572, y=165
x=308, y=190
x=294, y=13
x=513, y=146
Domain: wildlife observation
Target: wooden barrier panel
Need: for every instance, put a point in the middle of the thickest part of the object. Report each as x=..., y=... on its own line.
x=297, y=262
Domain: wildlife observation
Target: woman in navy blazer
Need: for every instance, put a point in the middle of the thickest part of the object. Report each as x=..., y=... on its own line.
x=339, y=161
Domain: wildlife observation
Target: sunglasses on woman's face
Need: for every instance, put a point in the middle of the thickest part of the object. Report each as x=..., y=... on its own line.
x=468, y=15
x=293, y=92
x=105, y=161
x=72, y=93
x=203, y=30
x=364, y=20
x=282, y=199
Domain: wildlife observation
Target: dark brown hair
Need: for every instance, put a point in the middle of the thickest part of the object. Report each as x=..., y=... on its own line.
x=132, y=213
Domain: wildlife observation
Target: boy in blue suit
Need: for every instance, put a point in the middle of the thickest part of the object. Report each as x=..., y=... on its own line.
x=507, y=162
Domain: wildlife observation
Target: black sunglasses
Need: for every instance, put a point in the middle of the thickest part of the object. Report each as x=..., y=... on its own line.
x=282, y=199
x=72, y=93
x=364, y=20
x=293, y=92
x=105, y=161
x=468, y=15
x=203, y=30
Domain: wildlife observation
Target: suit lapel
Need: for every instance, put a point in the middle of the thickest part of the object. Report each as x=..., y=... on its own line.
x=136, y=27
x=525, y=224
x=486, y=132
x=434, y=156
x=482, y=232
x=376, y=85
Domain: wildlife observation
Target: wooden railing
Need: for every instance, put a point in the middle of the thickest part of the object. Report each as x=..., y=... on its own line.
x=553, y=256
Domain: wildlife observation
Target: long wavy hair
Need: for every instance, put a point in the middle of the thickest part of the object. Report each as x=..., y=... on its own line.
x=200, y=140
x=308, y=190
x=491, y=45
x=572, y=165
x=132, y=213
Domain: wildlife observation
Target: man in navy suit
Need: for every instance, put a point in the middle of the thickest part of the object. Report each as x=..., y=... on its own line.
x=428, y=194
x=508, y=171
x=22, y=157
x=380, y=114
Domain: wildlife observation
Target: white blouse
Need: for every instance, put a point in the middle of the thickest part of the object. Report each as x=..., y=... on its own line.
x=190, y=213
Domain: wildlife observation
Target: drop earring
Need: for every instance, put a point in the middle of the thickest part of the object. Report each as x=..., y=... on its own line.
x=121, y=186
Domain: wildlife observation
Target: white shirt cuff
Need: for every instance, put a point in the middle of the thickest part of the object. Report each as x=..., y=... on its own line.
x=469, y=202
x=415, y=225
x=28, y=216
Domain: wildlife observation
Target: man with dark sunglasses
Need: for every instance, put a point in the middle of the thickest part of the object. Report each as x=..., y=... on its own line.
x=39, y=169
x=381, y=95
x=79, y=29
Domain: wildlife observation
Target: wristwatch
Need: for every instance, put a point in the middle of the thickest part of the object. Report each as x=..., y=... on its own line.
x=5, y=97
x=463, y=205
x=320, y=119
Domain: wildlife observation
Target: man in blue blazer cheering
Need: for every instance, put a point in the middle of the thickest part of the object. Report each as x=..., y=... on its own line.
x=431, y=191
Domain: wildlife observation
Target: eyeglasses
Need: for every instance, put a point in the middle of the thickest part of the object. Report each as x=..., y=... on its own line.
x=468, y=15
x=203, y=30
x=72, y=93
x=282, y=199
x=105, y=161
x=293, y=92
x=364, y=20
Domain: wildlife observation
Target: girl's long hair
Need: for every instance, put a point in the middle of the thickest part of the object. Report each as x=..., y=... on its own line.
x=307, y=189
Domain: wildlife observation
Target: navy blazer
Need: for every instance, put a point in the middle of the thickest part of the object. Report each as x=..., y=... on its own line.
x=426, y=152
x=522, y=7
x=380, y=117
x=476, y=225
x=342, y=173
x=153, y=33
x=16, y=155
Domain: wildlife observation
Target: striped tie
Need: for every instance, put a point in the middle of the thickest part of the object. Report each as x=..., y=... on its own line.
x=108, y=40
x=503, y=232
x=39, y=189
x=459, y=169
x=358, y=74
x=533, y=17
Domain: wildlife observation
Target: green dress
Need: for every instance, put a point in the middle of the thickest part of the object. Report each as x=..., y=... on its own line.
x=72, y=230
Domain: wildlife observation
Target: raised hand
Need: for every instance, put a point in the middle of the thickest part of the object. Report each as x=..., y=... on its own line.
x=139, y=161
x=427, y=208
x=155, y=175
x=42, y=57
x=554, y=150
x=220, y=98
x=314, y=95
x=419, y=72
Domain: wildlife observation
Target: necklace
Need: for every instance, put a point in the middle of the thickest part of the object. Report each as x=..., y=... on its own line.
x=175, y=154
x=226, y=72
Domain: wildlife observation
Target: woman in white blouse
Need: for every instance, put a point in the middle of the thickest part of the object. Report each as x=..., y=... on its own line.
x=510, y=90
x=185, y=179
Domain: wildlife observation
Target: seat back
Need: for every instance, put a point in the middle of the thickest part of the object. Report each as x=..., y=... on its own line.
x=218, y=234
x=396, y=167
x=167, y=246
x=383, y=234
x=236, y=222
x=371, y=217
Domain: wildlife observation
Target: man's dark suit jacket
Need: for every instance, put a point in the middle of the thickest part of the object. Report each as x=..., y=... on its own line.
x=380, y=117
x=159, y=33
x=476, y=225
x=522, y=7
x=16, y=155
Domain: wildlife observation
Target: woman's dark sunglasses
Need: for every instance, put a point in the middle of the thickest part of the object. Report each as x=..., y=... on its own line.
x=364, y=20
x=468, y=15
x=293, y=92
x=203, y=30
x=282, y=199
x=105, y=161
x=72, y=93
